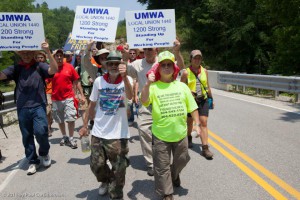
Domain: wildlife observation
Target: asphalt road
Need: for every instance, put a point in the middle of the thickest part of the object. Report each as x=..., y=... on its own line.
x=257, y=156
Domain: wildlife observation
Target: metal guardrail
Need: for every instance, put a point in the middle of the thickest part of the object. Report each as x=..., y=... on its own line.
x=8, y=104
x=275, y=83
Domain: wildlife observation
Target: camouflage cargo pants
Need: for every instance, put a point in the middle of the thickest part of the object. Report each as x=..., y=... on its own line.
x=115, y=151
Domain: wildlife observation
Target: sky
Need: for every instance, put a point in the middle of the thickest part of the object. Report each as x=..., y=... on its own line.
x=124, y=5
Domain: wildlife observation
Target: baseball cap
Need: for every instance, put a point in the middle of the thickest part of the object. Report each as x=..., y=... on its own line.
x=58, y=51
x=195, y=52
x=166, y=55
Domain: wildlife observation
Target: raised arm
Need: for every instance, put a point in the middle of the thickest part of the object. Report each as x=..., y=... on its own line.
x=52, y=63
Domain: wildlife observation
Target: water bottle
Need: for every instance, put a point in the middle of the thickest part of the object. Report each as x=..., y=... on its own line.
x=194, y=134
x=85, y=144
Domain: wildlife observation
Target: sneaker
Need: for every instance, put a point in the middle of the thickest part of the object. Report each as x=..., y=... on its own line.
x=32, y=169
x=150, y=171
x=103, y=189
x=168, y=197
x=177, y=182
x=130, y=123
x=64, y=141
x=46, y=160
x=206, y=152
x=72, y=143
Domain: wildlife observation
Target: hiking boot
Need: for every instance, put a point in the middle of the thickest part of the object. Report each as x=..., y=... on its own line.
x=72, y=143
x=206, y=153
x=64, y=141
x=168, y=197
x=46, y=160
x=103, y=189
x=177, y=182
x=190, y=141
x=150, y=171
x=32, y=169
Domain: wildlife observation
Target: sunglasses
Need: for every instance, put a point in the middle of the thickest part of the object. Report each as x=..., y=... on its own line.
x=110, y=64
x=167, y=65
x=147, y=49
x=131, y=53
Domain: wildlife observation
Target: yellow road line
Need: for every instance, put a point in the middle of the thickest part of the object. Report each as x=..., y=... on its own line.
x=259, y=167
x=272, y=191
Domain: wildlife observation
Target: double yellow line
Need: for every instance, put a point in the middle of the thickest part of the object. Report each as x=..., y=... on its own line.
x=271, y=190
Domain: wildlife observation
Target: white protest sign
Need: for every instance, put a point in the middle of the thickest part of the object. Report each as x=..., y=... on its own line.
x=21, y=31
x=150, y=28
x=96, y=23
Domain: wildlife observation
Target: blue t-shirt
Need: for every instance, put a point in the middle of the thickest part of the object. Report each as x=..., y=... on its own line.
x=30, y=91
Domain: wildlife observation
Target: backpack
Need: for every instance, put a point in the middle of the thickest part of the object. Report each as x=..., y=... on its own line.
x=16, y=79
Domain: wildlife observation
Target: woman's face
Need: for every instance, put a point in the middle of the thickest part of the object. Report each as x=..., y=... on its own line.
x=166, y=68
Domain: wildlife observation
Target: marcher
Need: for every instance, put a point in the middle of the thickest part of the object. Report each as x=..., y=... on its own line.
x=137, y=70
x=86, y=83
x=110, y=132
x=100, y=57
x=31, y=104
x=171, y=100
x=201, y=91
x=63, y=98
x=140, y=54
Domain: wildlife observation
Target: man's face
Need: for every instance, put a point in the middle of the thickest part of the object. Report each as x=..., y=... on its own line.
x=40, y=58
x=102, y=58
x=59, y=57
x=69, y=57
x=132, y=55
x=26, y=56
x=113, y=68
x=150, y=53
x=197, y=60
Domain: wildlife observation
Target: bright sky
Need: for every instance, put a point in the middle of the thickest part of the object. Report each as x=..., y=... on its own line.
x=124, y=5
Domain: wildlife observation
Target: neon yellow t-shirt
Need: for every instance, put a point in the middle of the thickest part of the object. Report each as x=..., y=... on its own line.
x=170, y=104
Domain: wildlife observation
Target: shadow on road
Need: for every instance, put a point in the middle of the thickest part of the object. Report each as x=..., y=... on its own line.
x=290, y=117
x=138, y=162
x=91, y=195
x=80, y=161
x=144, y=187
x=10, y=167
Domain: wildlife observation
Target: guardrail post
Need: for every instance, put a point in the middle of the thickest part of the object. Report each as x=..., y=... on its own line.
x=297, y=98
x=276, y=94
x=244, y=89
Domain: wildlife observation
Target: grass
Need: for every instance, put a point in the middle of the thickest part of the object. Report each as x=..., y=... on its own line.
x=7, y=86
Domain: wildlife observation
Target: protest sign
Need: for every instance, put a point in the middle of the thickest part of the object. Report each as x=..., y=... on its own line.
x=73, y=45
x=21, y=31
x=96, y=23
x=150, y=28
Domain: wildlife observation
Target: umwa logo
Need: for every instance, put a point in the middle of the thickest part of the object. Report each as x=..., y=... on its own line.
x=100, y=11
x=148, y=15
x=14, y=18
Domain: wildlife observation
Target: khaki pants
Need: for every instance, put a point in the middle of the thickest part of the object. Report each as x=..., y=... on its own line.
x=144, y=126
x=166, y=172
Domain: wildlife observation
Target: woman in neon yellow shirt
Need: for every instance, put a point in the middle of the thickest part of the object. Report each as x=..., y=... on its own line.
x=201, y=91
x=171, y=100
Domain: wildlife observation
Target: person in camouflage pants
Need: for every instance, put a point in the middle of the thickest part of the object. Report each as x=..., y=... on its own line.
x=110, y=131
x=116, y=152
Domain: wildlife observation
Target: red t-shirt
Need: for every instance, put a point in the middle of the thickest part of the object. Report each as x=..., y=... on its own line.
x=62, y=82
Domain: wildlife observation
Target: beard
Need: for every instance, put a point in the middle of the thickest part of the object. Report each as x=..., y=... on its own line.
x=114, y=73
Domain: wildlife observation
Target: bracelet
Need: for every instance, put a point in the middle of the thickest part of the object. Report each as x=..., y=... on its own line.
x=197, y=125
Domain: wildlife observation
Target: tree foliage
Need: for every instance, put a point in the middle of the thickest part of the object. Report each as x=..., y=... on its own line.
x=253, y=36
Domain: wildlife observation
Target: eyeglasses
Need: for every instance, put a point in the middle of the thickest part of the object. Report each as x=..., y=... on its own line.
x=110, y=64
x=167, y=65
x=147, y=49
